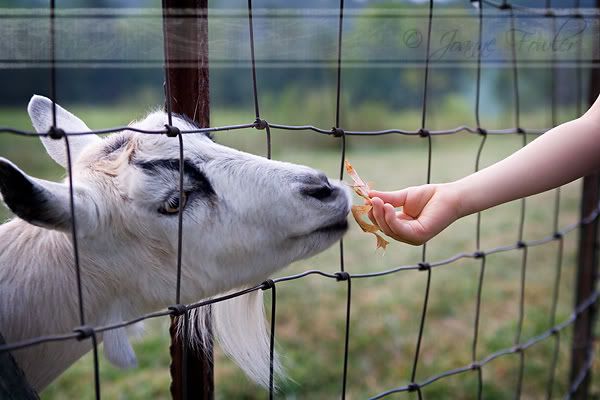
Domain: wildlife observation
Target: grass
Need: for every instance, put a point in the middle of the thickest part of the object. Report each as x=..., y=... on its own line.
x=385, y=311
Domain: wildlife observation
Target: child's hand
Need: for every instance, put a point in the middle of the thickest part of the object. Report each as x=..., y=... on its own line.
x=426, y=211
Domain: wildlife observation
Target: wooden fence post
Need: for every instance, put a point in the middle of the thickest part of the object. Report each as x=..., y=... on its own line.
x=13, y=384
x=587, y=271
x=186, y=30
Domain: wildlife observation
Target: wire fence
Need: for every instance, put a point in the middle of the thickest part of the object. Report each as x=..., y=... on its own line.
x=427, y=266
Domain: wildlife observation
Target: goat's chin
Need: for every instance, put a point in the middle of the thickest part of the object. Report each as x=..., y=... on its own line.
x=312, y=244
x=329, y=231
x=322, y=238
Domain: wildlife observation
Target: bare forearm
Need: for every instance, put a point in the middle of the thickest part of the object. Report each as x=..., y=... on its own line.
x=562, y=155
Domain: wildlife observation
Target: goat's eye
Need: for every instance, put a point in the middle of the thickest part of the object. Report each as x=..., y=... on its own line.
x=173, y=205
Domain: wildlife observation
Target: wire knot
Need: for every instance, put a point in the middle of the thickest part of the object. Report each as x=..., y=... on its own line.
x=558, y=235
x=337, y=132
x=521, y=244
x=479, y=254
x=550, y=14
x=172, y=131
x=260, y=124
x=268, y=284
x=178, y=310
x=423, y=132
x=475, y=366
x=578, y=15
x=518, y=349
x=84, y=332
x=424, y=266
x=504, y=6
x=521, y=131
x=413, y=387
x=482, y=132
x=56, y=133
x=554, y=331
x=342, y=276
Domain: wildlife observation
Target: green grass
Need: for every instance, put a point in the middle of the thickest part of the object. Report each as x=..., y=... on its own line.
x=385, y=311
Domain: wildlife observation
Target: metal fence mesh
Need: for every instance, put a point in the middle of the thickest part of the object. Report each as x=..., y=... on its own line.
x=427, y=266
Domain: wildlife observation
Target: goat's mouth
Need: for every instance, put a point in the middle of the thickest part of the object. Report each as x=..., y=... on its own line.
x=337, y=227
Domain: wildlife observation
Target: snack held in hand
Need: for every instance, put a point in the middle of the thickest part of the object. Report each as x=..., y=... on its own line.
x=362, y=189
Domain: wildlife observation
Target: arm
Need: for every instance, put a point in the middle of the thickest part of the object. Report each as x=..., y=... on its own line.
x=561, y=155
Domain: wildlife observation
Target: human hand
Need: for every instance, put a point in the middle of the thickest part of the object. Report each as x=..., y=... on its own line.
x=426, y=211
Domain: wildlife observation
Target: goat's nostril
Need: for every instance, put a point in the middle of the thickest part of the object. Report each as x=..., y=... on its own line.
x=318, y=192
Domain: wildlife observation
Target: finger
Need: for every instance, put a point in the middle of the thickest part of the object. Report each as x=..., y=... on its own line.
x=402, y=227
x=397, y=198
x=390, y=216
x=419, y=198
x=379, y=216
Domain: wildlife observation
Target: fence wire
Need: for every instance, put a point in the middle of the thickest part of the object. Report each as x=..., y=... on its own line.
x=520, y=344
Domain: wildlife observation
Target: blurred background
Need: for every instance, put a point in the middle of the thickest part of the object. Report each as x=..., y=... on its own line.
x=382, y=87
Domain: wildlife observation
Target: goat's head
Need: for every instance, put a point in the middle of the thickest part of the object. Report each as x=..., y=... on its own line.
x=244, y=216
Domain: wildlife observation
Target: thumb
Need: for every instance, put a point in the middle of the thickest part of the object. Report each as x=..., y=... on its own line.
x=397, y=198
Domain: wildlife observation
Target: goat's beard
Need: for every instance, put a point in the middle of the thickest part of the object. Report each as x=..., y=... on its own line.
x=239, y=325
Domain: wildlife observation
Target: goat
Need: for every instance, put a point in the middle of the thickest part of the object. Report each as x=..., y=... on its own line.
x=244, y=217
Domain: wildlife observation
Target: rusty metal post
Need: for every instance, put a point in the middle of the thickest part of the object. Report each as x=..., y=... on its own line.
x=587, y=271
x=186, y=31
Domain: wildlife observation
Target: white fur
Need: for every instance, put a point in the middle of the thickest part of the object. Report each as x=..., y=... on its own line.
x=39, y=107
x=238, y=325
x=248, y=346
x=258, y=221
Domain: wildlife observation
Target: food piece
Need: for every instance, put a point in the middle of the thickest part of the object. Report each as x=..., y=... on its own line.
x=360, y=187
x=358, y=212
x=381, y=242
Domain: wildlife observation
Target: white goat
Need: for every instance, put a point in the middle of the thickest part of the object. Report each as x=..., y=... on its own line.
x=245, y=217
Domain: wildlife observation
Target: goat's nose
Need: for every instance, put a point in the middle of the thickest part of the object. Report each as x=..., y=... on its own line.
x=319, y=188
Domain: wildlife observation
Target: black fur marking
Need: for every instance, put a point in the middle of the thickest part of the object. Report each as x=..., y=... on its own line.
x=200, y=181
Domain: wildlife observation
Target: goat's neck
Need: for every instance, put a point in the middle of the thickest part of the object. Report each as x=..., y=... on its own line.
x=38, y=292
x=37, y=271
x=37, y=280
x=38, y=296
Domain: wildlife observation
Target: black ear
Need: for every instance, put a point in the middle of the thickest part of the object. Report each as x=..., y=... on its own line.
x=29, y=200
x=39, y=202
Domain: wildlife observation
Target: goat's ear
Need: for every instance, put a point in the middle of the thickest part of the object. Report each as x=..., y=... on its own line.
x=44, y=203
x=40, y=112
